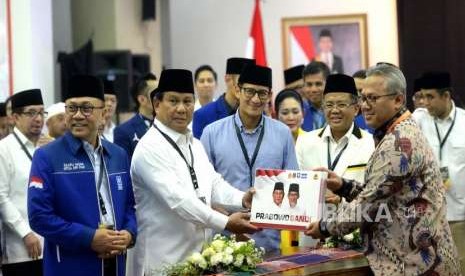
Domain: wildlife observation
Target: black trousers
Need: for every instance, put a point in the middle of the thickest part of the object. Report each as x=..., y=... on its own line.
x=31, y=268
x=109, y=267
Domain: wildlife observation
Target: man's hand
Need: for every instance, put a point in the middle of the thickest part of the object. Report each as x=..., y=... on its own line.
x=247, y=199
x=108, y=242
x=313, y=230
x=333, y=182
x=32, y=243
x=124, y=239
x=239, y=223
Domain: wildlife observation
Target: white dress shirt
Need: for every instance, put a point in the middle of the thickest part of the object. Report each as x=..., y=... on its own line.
x=95, y=156
x=14, y=177
x=453, y=155
x=172, y=221
x=312, y=152
x=108, y=132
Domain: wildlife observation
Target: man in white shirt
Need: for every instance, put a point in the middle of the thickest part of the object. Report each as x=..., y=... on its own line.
x=341, y=146
x=278, y=194
x=443, y=126
x=175, y=184
x=293, y=196
x=111, y=103
x=23, y=247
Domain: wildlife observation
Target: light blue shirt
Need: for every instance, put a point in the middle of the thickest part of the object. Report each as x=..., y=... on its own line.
x=224, y=151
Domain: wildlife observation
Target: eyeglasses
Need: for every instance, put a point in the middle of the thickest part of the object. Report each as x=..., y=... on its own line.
x=86, y=110
x=340, y=106
x=33, y=113
x=250, y=92
x=371, y=99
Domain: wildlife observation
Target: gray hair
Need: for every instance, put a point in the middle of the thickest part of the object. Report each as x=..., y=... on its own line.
x=395, y=79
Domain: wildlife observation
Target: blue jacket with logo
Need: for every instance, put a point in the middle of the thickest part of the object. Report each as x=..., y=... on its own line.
x=63, y=204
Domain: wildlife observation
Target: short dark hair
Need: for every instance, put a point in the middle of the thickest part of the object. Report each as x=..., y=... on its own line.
x=325, y=33
x=360, y=74
x=287, y=93
x=140, y=87
x=316, y=67
x=444, y=90
x=205, y=68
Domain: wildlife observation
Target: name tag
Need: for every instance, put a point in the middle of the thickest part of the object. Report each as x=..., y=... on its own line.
x=445, y=177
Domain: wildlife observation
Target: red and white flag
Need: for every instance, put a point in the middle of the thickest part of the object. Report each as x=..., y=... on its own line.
x=302, y=45
x=36, y=182
x=256, y=41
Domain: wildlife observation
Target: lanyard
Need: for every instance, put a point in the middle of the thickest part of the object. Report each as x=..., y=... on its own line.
x=442, y=142
x=23, y=147
x=99, y=184
x=332, y=165
x=189, y=166
x=250, y=164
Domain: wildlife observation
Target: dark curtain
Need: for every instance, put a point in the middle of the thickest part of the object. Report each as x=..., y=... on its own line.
x=432, y=37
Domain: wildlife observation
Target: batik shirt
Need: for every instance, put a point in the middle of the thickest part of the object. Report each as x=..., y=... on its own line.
x=404, y=228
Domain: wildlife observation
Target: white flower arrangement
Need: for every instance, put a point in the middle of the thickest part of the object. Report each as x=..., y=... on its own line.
x=352, y=240
x=223, y=254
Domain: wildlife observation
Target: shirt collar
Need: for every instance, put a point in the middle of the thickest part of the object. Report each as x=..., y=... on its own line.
x=76, y=143
x=326, y=132
x=90, y=149
x=229, y=109
x=177, y=137
x=238, y=122
x=380, y=132
x=23, y=137
x=450, y=116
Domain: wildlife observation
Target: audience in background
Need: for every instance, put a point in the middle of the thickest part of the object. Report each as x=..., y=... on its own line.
x=111, y=104
x=227, y=103
x=206, y=81
x=443, y=125
x=55, y=125
x=128, y=134
x=314, y=76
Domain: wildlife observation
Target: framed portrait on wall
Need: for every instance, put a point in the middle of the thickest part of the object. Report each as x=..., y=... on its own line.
x=340, y=41
x=4, y=50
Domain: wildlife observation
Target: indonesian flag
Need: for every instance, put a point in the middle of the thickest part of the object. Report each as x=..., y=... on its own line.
x=36, y=182
x=256, y=42
x=302, y=46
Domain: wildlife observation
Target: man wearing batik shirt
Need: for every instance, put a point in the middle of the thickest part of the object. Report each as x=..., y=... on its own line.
x=402, y=203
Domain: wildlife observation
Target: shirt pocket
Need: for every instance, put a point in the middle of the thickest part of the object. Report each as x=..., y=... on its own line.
x=458, y=151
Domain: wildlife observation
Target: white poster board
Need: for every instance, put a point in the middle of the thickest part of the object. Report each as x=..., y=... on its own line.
x=286, y=199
